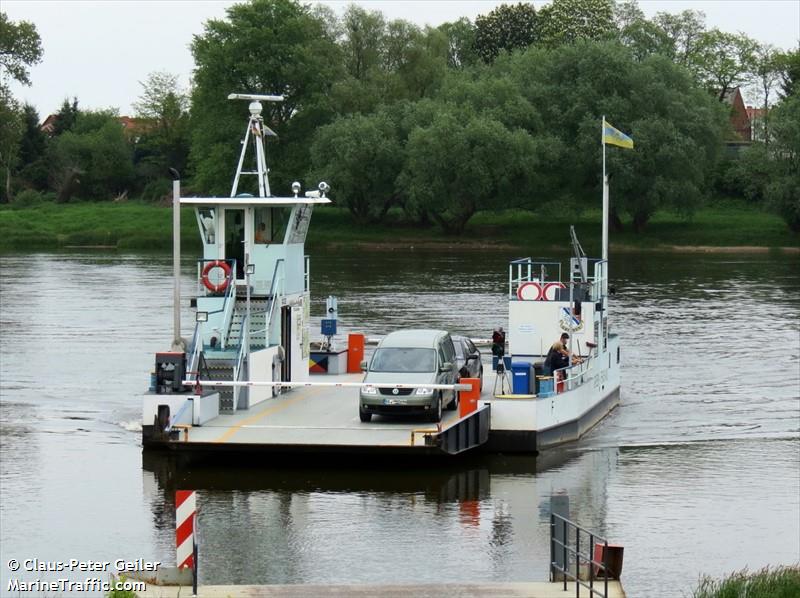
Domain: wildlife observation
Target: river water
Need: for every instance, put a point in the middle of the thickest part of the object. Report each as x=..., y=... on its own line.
x=697, y=471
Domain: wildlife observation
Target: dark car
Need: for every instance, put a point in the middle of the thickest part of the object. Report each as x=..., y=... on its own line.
x=468, y=359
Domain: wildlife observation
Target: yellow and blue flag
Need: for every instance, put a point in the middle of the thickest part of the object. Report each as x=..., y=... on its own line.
x=612, y=136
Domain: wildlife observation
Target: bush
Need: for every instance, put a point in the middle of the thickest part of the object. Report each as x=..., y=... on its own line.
x=156, y=190
x=28, y=198
x=781, y=582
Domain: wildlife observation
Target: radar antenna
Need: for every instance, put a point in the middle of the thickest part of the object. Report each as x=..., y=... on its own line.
x=256, y=130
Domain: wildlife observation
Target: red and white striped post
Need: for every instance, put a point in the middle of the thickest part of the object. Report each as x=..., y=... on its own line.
x=185, y=520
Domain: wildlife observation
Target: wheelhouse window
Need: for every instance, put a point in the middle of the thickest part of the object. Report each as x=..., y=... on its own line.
x=269, y=225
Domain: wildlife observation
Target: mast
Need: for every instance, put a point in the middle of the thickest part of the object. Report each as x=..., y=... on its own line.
x=257, y=130
x=605, y=194
x=178, y=344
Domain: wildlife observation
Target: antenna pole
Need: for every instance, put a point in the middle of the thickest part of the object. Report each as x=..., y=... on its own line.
x=605, y=193
x=177, y=341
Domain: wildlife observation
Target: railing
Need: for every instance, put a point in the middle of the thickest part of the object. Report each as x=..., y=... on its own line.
x=600, y=288
x=195, y=351
x=562, y=551
x=575, y=375
x=274, y=293
x=527, y=270
x=244, y=341
x=227, y=304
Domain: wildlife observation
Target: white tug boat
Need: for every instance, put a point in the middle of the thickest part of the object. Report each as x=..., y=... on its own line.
x=248, y=380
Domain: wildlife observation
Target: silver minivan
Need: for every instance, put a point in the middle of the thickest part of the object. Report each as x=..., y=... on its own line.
x=410, y=357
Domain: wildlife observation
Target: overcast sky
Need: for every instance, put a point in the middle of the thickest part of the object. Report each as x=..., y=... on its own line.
x=99, y=51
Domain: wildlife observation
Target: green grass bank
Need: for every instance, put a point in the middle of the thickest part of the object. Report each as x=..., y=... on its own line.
x=780, y=582
x=133, y=225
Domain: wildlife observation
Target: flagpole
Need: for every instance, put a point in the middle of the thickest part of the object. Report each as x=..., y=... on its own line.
x=605, y=193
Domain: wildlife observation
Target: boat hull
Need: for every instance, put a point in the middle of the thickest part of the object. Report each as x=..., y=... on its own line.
x=535, y=441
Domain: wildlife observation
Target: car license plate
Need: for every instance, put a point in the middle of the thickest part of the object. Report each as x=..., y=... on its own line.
x=391, y=402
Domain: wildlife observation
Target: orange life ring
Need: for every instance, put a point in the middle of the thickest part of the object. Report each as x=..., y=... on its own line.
x=216, y=288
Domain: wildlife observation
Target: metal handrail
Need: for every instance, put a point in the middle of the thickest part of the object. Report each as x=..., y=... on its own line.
x=177, y=417
x=526, y=271
x=237, y=369
x=566, y=551
x=230, y=291
x=273, y=294
x=583, y=369
x=195, y=349
x=228, y=305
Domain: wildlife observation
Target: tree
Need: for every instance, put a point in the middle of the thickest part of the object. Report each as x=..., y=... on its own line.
x=684, y=30
x=165, y=144
x=676, y=126
x=94, y=158
x=11, y=127
x=505, y=28
x=461, y=50
x=162, y=101
x=66, y=117
x=783, y=189
x=767, y=74
x=789, y=66
x=641, y=36
x=264, y=46
x=567, y=21
x=400, y=41
x=342, y=149
x=20, y=47
x=725, y=61
x=33, y=169
x=362, y=46
x=462, y=163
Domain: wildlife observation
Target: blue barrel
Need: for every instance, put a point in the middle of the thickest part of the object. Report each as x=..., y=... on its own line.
x=546, y=388
x=521, y=377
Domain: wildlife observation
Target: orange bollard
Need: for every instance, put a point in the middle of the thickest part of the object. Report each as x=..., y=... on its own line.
x=468, y=399
x=355, y=353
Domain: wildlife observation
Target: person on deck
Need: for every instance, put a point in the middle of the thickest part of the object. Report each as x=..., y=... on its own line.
x=558, y=355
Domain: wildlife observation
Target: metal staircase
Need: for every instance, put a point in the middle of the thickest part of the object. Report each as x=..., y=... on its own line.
x=258, y=320
x=222, y=365
x=222, y=369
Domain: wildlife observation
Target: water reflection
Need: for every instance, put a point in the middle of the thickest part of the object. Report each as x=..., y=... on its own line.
x=286, y=525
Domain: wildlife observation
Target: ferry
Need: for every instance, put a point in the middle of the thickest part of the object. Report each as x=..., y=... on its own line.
x=249, y=380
